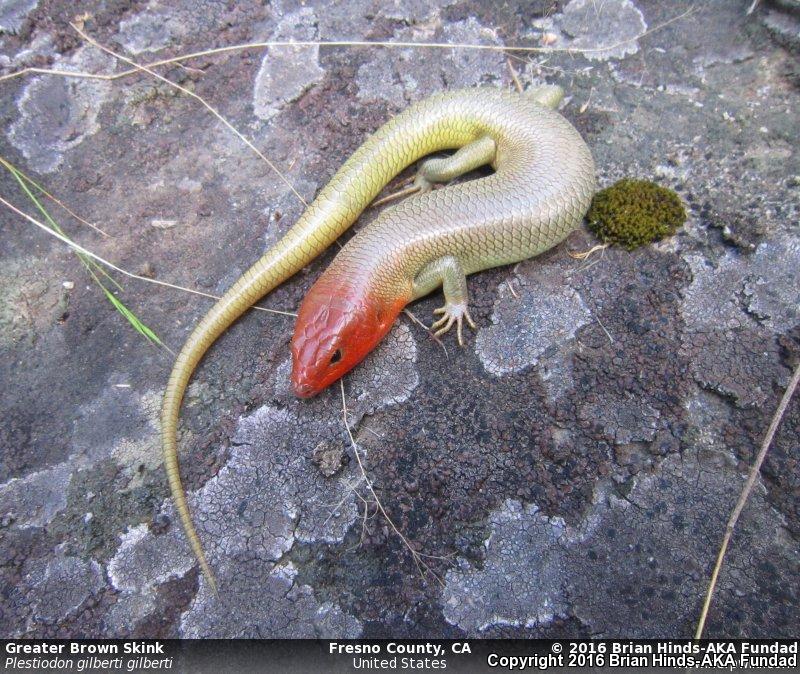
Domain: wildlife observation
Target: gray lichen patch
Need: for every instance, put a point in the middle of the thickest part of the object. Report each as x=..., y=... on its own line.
x=286, y=73
x=772, y=286
x=398, y=75
x=606, y=30
x=636, y=566
x=389, y=375
x=262, y=601
x=712, y=301
x=764, y=286
x=539, y=322
x=34, y=500
x=143, y=561
x=357, y=19
x=13, y=14
x=521, y=580
x=58, y=113
x=58, y=587
x=730, y=312
x=128, y=611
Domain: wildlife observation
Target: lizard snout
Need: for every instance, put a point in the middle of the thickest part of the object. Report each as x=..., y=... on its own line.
x=303, y=390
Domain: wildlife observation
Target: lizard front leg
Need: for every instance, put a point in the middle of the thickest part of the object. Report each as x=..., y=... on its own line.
x=446, y=272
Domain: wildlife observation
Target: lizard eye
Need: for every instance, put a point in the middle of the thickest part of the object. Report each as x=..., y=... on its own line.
x=336, y=357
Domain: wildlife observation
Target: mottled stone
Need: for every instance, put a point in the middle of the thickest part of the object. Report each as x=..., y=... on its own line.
x=635, y=567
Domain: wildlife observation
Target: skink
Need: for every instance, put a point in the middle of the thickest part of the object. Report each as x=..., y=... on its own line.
x=541, y=188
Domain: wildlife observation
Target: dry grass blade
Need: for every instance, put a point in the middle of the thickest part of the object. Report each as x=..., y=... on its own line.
x=748, y=487
x=395, y=195
x=60, y=203
x=122, y=271
x=91, y=265
x=514, y=76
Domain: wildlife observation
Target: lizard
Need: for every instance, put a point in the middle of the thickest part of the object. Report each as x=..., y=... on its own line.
x=541, y=188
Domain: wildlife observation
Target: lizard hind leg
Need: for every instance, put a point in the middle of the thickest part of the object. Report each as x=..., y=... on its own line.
x=444, y=169
x=546, y=95
x=447, y=272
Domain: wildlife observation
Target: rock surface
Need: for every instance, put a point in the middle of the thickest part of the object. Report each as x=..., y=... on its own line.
x=569, y=472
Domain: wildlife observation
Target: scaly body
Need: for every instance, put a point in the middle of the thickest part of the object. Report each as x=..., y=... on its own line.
x=542, y=186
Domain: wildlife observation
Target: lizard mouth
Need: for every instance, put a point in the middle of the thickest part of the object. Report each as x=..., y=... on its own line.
x=303, y=390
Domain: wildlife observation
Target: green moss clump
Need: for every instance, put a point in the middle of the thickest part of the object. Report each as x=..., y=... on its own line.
x=633, y=213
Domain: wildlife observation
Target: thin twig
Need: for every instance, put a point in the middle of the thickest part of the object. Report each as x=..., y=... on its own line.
x=197, y=97
x=514, y=75
x=428, y=330
x=125, y=272
x=586, y=253
x=583, y=108
x=510, y=287
x=608, y=334
x=748, y=487
x=421, y=564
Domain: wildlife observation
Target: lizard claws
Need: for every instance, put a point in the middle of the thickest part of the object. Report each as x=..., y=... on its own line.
x=452, y=313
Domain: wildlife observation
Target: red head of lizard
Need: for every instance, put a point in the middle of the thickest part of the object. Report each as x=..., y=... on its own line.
x=337, y=326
